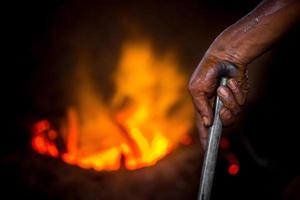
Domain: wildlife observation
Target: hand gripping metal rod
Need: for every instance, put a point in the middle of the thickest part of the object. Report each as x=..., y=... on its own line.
x=211, y=154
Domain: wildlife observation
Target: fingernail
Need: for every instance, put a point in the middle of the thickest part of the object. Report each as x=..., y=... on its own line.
x=227, y=114
x=222, y=91
x=205, y=121
x=232, y=84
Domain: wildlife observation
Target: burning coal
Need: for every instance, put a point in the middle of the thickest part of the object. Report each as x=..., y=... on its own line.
x=147, y=117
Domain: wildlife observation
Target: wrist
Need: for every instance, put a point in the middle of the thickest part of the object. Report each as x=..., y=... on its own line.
x=229, y=48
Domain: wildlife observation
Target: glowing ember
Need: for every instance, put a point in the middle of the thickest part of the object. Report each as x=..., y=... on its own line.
x=233, y=169
x=147, y=117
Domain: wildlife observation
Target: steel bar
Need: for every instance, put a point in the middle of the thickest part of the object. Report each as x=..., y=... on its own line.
x=211, y=153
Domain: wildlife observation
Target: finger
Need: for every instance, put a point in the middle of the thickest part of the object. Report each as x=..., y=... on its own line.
x=204, y=109
x=203, y=131
x=228, y=100
x=226, y=116
x=237, y=91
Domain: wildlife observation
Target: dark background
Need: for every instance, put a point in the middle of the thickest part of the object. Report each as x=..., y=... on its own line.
x=44, y=37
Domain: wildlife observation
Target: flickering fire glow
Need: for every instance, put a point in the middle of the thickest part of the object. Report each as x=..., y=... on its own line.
x=149, y=114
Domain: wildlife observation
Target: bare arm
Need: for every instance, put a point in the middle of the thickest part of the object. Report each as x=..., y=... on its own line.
x=256, y=32
x=239, y=44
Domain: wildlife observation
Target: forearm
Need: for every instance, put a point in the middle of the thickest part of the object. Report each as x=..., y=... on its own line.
x=256, y=32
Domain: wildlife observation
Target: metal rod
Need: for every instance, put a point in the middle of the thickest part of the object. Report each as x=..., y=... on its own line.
x=211, y=153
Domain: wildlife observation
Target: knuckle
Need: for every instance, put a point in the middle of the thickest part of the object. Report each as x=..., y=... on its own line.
x=192, y=87
x=196, y=90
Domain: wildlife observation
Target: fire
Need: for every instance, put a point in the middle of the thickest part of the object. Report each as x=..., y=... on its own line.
x=146, y=118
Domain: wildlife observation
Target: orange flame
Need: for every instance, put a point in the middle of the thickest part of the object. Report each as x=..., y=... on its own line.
x=148, y=115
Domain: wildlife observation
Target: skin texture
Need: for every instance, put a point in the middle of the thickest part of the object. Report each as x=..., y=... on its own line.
x=239, y=45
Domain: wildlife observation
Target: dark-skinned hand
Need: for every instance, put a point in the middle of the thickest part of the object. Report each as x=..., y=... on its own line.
x=203, y=87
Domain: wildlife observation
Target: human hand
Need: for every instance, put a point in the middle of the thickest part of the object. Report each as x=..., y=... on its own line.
x=203, y=87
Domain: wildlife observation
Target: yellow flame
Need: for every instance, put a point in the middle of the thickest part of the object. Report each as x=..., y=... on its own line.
x=148, y=115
